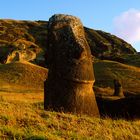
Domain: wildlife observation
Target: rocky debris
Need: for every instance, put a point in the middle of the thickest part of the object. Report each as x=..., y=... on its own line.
x=20, y=50
x=70, y=78
x=26, y=55
x=103, y=45
x=22, y=37
x=118, y=90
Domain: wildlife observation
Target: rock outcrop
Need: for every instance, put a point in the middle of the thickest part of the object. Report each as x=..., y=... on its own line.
x=70, y=78
x=20, y=50
x=103, y=45
x=107, y=46
x=24, y=55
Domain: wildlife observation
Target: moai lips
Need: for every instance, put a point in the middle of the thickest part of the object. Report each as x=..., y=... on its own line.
x=71, y=77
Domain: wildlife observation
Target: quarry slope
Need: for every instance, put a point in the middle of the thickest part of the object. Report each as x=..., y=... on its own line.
x=106, y=71
x=20, y=76
x=25, y=75
x=28, y=40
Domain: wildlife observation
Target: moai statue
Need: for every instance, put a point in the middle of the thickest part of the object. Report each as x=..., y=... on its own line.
x=69, y=86
x=118, y=90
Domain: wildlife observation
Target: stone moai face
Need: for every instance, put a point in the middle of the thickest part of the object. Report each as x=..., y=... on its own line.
x=69, y=53
x=70, y=77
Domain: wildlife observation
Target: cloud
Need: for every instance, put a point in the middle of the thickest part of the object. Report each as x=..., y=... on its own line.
x=127, y=25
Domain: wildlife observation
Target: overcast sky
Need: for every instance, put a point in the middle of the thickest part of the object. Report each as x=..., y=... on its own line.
x=119, y=17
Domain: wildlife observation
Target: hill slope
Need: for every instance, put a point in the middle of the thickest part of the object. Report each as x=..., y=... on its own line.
x=30, y=38
x=22, y=115
x=30, y=76
x=22, y=75
x=104, y=44
x=106, y=71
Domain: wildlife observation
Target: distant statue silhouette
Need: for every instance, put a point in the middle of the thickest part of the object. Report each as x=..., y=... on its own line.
x=118, y=90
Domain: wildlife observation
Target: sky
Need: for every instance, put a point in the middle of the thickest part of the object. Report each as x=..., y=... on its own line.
x=119, y=17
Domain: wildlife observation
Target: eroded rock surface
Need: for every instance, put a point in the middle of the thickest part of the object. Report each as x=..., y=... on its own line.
x=70, y=78
x=20, y=50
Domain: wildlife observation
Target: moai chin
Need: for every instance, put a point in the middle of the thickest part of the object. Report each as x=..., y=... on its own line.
x=69, y=86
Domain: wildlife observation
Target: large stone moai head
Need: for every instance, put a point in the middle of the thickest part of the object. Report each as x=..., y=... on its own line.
x=71, y=76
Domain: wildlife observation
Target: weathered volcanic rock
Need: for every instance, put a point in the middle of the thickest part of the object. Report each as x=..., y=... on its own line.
x=20, y=50
x=70, y=78
x=24, y=34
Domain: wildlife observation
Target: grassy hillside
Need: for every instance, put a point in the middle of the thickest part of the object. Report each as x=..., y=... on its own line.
x=22, y=36
x=14, y=76
x=104, y=44
x=106, y=71
x=32, y=36
x=12, y=30
x=133, y=60
x=22, y=117
x=28, y=76
x=21, y=88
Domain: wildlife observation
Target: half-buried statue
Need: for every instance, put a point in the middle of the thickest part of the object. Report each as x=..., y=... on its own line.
x=69, y=86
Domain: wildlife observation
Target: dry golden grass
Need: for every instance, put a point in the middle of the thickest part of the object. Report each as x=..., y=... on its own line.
x=26, y=76
x=132, y=59
x=22, y=117
x=21, y=106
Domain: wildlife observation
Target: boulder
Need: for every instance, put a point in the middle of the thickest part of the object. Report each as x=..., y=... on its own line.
x=69, y=86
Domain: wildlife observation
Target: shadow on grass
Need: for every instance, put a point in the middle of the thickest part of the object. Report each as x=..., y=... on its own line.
x=125, y=108
x=117, y=108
